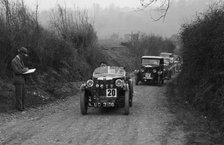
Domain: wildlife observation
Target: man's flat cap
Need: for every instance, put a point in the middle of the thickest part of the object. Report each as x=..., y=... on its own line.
x=23, y=50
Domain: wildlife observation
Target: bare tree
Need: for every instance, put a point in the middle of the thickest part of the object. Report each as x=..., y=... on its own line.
x=6, y=5
x=160, y=6
x=36, y=10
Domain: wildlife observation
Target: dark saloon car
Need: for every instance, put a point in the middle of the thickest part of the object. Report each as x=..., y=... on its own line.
x=110, y=86
x=151, y=71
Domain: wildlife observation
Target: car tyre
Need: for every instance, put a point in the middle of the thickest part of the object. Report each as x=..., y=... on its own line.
x=83, y=104
x=136, y=80
x=131, y=93
x=127, y=102
x=162, y=81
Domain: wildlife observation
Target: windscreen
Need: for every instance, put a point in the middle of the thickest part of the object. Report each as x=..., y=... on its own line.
x=165, y=54
x=109, y=70
x=166, y=60
x=150, y=62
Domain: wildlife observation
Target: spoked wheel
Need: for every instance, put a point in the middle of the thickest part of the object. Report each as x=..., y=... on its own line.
x=126, y=103
x=84, y=103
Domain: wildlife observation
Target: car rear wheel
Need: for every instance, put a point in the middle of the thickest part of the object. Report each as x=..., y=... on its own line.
x=126, y=103
x=83, y=104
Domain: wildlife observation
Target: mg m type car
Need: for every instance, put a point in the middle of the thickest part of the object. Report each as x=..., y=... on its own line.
x=110, y=86
x=151, y=71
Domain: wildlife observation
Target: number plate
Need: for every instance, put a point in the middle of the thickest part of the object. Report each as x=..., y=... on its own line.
x=148, y=75
x=111, y=93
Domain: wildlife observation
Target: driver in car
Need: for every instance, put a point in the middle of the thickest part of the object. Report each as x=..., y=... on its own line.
x=103, y=64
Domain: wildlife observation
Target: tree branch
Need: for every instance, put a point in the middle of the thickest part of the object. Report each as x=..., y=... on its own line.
x=162, y=8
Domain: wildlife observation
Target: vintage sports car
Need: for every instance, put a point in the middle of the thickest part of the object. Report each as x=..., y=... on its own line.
x=110, y=86
x=151, y=71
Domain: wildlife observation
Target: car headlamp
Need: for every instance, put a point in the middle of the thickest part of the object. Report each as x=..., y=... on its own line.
x=154, y=70
x=119, y=83
x=160, y=72
x=89, y=83
x=82, y=87
x=142, y=70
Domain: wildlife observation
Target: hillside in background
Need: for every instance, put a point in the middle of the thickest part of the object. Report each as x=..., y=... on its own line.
x=117, y=54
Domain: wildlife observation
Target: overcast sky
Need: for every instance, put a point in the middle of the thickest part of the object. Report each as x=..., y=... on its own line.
x=47, y=4
x=121, y=17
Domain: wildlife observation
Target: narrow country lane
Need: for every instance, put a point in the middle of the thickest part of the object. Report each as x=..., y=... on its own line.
x=149, y=123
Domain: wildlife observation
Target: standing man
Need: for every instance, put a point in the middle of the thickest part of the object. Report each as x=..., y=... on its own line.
x=19, y=80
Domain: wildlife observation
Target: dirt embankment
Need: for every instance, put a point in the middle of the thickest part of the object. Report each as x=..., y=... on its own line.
x=118, y=54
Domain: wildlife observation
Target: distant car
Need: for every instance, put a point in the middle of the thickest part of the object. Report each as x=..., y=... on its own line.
x=110, y=86
x=167, y=55
x=178, y=61
x=171, y=65
x=167, y=69
x=151, y=71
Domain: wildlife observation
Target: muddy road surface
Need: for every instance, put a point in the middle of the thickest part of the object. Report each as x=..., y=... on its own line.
x=149, y=123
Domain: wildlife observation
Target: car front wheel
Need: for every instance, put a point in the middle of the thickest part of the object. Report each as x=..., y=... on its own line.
x=162, y=81
x=83, y=104
x=126, y=103
x=136, y=80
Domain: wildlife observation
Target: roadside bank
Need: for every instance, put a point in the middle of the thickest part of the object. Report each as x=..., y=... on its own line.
x=199, y=129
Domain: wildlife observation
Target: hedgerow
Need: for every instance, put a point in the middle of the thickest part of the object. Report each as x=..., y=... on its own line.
x=201, y=81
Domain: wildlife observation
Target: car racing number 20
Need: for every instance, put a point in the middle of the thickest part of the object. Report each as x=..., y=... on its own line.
x=111, y=93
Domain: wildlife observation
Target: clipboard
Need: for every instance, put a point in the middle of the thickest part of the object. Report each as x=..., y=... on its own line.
x=30, y=71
